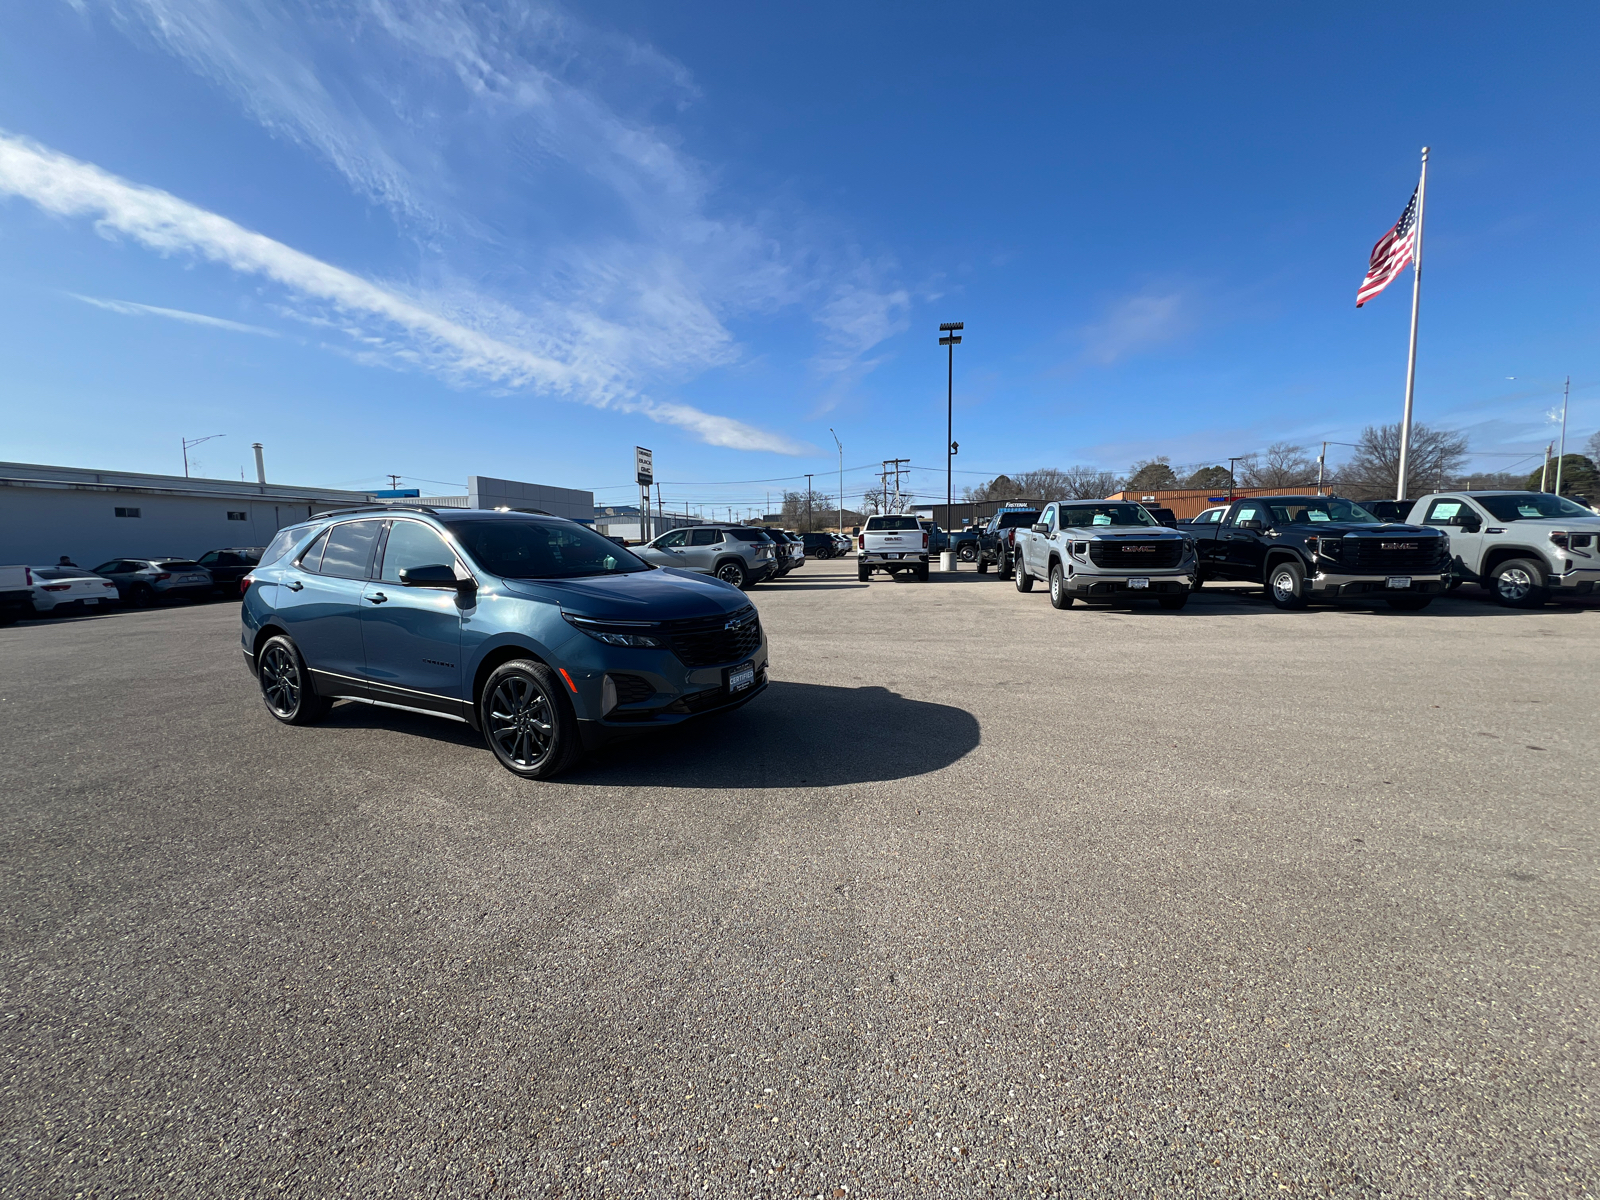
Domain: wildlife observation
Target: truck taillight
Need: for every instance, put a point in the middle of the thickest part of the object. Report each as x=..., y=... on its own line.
x=861, y=541
x=924, y=539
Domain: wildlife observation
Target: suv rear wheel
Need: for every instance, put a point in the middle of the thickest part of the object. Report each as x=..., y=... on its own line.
x=732, y=572
x=1519, y=583
x=286, y=686
x=528, y=720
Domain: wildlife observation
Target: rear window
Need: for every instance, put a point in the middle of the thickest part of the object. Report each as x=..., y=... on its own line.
x=749, y=535
x=893, y=525
x=180, y=564
x=1016, y=520
x=61, y=573
x=279, y=546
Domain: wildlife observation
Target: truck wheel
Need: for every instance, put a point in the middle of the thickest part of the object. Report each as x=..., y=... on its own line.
x=968, y=552
x=983, y=566
x=1173, y=603
x=920, y=573
x=1286, y=584
x=1410, y=603
x=1059, y=596
x=1024, y=580
x=1003, y=566
x=1519, y=583
x=863, y=574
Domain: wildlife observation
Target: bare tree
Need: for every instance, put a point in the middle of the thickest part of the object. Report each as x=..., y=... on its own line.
x=798, y=514
x=1593, y=448
x=1001, y=487
x=1281, y=465
x=1152, y=475
x=1437, y=456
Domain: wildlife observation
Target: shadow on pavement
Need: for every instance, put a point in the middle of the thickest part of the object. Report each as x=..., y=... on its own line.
x=1468, y=601
x=792, y=735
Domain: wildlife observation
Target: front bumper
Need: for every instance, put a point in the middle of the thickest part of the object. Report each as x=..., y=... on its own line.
x=627, y=720
x=1580, y=581
x=1087, y=581
x=1329, y=585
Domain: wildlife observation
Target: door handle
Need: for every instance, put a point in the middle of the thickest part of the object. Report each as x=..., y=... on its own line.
x=376, y=597
x=295, y=586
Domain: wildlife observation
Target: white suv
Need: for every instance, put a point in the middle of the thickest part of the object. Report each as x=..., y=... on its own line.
x=1522, y=546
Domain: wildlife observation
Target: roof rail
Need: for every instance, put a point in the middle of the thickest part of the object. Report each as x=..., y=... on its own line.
x=367, y=508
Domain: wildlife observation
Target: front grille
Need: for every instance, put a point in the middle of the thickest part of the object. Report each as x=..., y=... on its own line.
x=1133, y=553
x=632, y=689
x=713, y=641
x=1390, y=555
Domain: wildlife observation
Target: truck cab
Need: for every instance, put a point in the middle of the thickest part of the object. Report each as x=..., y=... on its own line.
x=1523, y=547
x=1305, y=548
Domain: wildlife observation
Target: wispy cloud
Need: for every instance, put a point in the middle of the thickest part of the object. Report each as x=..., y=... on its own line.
x=162, y=222
x=131, y=308
x=1139, y=322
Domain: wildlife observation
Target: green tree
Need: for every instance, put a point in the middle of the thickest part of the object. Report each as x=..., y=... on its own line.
x=1210, y=478
x=1152, y=475
x=1579, y=477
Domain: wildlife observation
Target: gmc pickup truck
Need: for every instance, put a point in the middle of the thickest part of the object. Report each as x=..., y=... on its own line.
x=1523, y=547
x=996, y=544
x=892, y=544
x=1104, y=551
x=1304, y=548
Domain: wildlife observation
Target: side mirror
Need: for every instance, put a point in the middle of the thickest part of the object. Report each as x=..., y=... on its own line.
x=1253, y=526
x=1041, y=527
x=1469, y=522
x=434, y=575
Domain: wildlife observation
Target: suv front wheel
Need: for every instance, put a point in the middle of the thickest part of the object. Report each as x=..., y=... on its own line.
x=528, y=720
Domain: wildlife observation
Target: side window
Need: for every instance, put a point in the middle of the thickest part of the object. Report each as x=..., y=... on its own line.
x=349, y=551
x=668, y=541
x=705, y=537
x=311, y=560
x=209, y=557
x=1443, y=512
x=413, y=544
x=1249, y=512
x=1049, y=518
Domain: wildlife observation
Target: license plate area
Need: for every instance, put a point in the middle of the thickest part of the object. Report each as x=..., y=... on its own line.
x=740, y=678
x=91, y=599
x=1139, y=583
x=1397, y=581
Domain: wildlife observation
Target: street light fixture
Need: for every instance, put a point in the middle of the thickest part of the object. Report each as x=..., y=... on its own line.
x=190, y=443
x=952, y=339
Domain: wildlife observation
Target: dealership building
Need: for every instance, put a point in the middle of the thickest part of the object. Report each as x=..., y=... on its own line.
x=92, y=516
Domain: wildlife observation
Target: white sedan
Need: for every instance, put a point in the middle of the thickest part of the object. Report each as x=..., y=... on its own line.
x=69, y=587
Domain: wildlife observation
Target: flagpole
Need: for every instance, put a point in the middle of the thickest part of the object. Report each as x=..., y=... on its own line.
x=1411, y=362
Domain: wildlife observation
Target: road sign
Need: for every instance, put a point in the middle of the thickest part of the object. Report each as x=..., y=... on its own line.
x=644, y=463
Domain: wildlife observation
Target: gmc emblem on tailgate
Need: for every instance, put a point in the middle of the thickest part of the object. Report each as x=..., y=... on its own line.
x=1397, y=545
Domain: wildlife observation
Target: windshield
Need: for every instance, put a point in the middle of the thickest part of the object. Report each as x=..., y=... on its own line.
x=1319, y=510
x=1016, y=520
x=1085, y=516
x=893, y=525
x=1532, y=506
x=543, y=550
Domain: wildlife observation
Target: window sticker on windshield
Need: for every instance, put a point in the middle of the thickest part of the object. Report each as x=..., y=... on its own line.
x=1102, y=519
x=1528, y=510
x=1316, y=514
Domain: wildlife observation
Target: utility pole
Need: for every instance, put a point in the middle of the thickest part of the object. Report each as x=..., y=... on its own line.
x=895, y=463
x=1232, y=482
x=661, y=509
x=808, y=504
x=1322, y=460
x=840, y=444
x=394, y=483
x=1544, y=471
x=1561, y=456
x=951, y=340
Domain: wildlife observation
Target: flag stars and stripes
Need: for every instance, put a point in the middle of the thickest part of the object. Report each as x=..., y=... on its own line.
x=1391, y=255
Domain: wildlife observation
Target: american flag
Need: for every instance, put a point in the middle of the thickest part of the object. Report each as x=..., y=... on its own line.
x=1391, y=255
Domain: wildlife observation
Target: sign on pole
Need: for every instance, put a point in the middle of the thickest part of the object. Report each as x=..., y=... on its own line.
x=644, y=463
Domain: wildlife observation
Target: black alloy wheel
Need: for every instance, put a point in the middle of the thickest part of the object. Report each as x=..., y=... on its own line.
x=733, y=572
x=968, y=552
x=528, y=720
x=1059, y=596
x=140, y=595
x=286, y=686
x=1286, y=584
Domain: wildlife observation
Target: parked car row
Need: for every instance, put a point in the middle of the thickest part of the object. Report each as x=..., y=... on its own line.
x=136, y=582
x=741, y=555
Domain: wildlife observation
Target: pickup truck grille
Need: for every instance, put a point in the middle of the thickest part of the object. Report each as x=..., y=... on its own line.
x=1419, y=553
x=709, y=642
x=1133, y=554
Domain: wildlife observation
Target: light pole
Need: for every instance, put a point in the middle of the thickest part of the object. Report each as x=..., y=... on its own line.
x=808, y=504
x=1232, y=482
x=951, y=339
x=190, y=443
x=1561, y=455
x=1322, y=460
x=840, y=444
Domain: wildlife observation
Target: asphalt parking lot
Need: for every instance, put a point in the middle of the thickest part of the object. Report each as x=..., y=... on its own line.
x=978, y=897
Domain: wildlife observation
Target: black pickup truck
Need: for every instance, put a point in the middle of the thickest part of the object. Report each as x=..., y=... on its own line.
x=1305, y=548
x=996, y=540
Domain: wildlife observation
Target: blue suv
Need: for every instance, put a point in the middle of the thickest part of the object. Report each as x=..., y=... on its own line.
x=537, y=631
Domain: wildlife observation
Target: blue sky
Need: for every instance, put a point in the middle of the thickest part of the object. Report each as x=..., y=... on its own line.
x=440, y=238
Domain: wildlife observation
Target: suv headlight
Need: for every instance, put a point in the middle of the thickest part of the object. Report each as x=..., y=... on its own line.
x=618, y=633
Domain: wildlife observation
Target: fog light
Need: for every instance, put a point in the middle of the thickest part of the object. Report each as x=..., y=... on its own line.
x=608, y=696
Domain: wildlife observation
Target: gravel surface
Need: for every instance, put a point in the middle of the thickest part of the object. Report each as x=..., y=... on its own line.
x=979, y=897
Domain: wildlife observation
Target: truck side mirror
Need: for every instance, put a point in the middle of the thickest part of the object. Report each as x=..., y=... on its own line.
x=1254, y=526
x=1041, y=527
x=1468, y=522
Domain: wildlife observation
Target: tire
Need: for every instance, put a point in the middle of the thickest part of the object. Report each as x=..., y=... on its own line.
x=1519, y=583
x=1059, y=596
x=967, y=553
x=1455, y=582
x=140, y=596
x=733, y=572
x=863, y=574
x=1173, y=603
x=1004, y=566
x=1197, y=584
x=1286, y=584
x=1410, y=603
x=286, y=687
x=920, y=573
x=1024, y=581
x=528, y=720
x=983, y=566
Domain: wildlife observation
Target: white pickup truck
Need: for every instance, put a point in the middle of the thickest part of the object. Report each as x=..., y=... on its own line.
x=1523, y=547
x=1105, y=551
x=16, y=594
x=892, y=544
